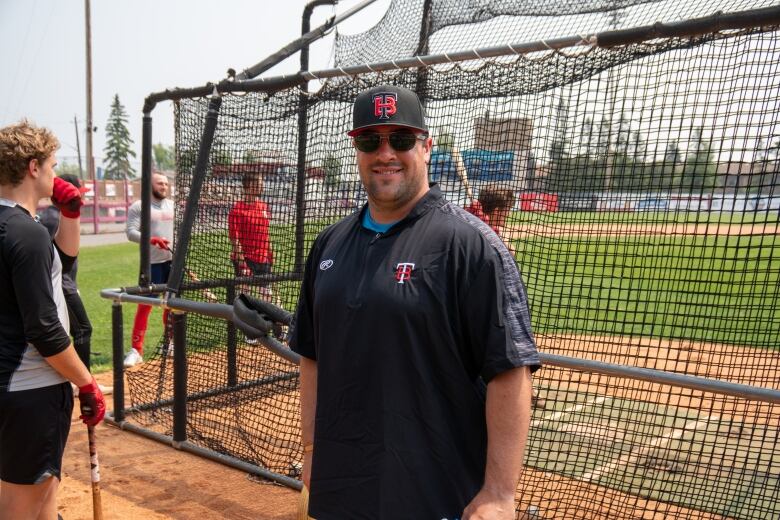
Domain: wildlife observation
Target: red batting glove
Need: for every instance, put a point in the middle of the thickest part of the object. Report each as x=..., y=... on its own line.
x=67, y=198
x=92, y=403
x=161, y=243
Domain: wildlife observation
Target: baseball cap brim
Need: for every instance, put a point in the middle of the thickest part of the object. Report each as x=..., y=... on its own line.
x=356, y=131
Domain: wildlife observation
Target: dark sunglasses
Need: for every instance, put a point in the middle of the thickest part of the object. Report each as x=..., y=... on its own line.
x=399, y=141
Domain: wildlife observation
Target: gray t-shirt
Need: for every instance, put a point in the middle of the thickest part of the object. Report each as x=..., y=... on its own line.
x=161, y=226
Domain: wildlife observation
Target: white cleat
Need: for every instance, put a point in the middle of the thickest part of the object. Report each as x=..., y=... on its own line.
x=133, y=358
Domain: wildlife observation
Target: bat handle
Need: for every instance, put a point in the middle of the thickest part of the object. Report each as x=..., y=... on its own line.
x=97, y=503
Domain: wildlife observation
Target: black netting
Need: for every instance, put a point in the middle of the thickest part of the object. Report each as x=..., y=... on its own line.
x=456, y=25
x=647, y=199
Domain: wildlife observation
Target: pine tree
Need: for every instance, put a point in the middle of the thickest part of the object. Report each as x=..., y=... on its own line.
x=699, y=172
x=164, y=157
x=118, y=144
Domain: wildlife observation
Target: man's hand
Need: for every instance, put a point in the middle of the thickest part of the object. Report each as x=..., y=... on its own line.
x=490, y=506
x=92, y=403
x=243, y=269
x=67, y=198
x=161, y=243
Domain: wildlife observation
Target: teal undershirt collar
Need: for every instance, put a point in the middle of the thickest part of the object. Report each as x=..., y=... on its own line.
x=372, y=225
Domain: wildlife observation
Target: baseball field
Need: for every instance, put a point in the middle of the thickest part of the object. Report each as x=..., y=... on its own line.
x=668, y=292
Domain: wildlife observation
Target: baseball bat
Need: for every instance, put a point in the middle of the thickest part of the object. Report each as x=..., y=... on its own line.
x=97, y=504
x=210, y=296
x=303, y=505
x=460, y=169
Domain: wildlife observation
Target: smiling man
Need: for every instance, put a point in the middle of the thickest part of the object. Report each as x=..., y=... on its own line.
x=416, y=343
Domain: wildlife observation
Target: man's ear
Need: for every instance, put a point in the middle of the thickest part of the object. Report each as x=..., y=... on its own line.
x=427, y=149
x=33, y=167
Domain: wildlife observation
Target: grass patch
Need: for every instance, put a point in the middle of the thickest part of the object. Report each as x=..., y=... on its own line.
x=103, y=267
x=703, y=288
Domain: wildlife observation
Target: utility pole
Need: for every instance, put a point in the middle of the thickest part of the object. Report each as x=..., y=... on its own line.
x=78, y=148
x=90, y=125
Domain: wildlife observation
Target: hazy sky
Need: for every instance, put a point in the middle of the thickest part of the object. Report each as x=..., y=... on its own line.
x=140, y=47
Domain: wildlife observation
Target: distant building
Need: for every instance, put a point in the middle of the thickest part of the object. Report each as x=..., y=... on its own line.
x=503, y=135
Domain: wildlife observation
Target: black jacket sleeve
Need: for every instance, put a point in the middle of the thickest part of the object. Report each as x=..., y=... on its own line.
x=498, y=322
x=30, y=255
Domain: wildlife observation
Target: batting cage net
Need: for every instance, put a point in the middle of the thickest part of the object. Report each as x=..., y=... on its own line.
x=642, y=175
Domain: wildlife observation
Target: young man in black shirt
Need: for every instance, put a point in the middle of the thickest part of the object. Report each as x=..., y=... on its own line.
x=37, y=360
x=416, y=344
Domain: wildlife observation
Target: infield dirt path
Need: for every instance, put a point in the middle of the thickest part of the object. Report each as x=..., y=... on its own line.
x=143, y=479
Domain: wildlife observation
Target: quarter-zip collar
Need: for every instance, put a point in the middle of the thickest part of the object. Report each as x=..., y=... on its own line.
x=432, y=199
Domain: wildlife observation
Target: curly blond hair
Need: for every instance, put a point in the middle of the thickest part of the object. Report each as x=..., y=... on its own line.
x=20, y=143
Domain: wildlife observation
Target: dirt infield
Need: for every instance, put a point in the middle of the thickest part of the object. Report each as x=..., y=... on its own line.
x=143, y=479
x=733, y=363
x=566, y=498
x=724, y=362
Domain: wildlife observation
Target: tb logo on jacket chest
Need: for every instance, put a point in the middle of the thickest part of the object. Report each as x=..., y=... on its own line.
x=403, y=271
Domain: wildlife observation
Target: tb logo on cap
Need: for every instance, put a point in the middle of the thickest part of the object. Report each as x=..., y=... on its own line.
x=385, y=105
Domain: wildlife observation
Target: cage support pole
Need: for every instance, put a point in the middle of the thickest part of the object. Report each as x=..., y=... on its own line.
x=305, y=40
x=232, y=340
x=764, y=17
x=145, y=276
x=179, y=320
x=190, y=210
x=300, y=184
x=117, y=338
x=423, y=49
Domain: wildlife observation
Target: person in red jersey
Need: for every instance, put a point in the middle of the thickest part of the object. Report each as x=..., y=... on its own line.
x=248, y=228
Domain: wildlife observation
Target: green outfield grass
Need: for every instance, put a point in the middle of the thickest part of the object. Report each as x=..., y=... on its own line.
x=103, y=267
x=705, y=288
x=721, y=289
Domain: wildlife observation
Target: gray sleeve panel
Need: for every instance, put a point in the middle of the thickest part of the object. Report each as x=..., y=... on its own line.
x=33, y=372
x=517, y=312
x=496, y=303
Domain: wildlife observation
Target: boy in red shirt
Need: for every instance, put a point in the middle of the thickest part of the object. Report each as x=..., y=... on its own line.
x=248, y=225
